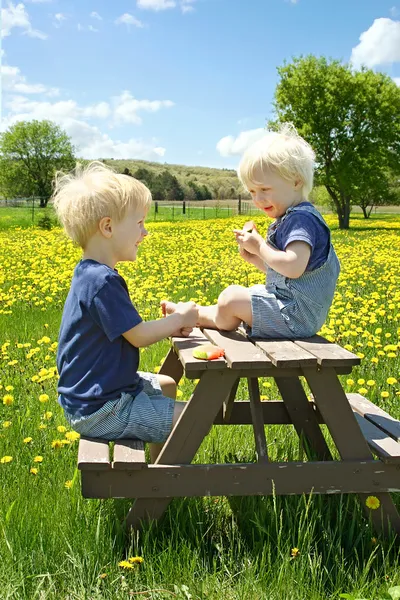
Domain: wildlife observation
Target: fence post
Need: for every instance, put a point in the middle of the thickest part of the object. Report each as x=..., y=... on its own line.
x=239, y=204
x=184, y=207
x=156, y=206
x=33, y=210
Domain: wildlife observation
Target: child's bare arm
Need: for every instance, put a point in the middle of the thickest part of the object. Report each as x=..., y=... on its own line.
x=149, y=332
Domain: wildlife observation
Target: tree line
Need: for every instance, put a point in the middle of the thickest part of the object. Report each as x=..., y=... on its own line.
x=351, y=119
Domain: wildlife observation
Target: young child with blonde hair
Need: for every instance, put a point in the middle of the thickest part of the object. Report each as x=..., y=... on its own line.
x=298, y=257
x=100, y=388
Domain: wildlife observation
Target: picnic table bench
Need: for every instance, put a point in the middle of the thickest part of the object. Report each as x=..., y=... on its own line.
x=366, y=437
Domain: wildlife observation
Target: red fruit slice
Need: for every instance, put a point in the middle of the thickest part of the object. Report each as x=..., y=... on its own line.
x=208, y=352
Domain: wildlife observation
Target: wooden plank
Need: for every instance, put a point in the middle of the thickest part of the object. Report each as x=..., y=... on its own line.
x=159, y=483
x=184, y=440
x=327, y=353
x=335, y=409
x=285, y=353
x=229, y=401
x=185, y=346
x=257, y=420
x=172, y=366
x=304, y=418
x=129, y=454
x=376, y=415
x=274, y=413
x=240, y=353
x=93, y=453
x=379, y=442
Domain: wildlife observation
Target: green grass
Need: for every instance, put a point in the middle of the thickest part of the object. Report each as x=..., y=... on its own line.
x=54, y=545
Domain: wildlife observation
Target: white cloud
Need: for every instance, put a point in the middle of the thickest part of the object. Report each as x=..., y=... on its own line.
x=126, y=107
x=93, y=29
x=15, y=16
x=59, y=18
x=156, y=4
x=89, y=139
x=379, y=45
x=81, y=27
x=187, y=6
x=14, y=82
x=230, y=146
x=128, y=20
x=95, y=15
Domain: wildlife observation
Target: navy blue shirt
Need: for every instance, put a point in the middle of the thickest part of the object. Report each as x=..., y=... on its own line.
x=95, y=362
x=305, y=227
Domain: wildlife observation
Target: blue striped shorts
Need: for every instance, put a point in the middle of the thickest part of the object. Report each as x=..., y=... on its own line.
x=268, y=320
x=147, y=416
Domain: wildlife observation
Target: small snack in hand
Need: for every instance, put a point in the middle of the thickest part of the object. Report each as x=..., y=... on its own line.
x=249, y=227
x=208, y=352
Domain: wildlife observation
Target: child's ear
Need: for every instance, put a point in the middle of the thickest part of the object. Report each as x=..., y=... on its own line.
x=105, y=227
x=298, y=184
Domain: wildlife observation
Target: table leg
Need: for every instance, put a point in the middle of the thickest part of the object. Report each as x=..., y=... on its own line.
x=172, y=366
x=186, y=437
x=338, y=416
x=258, y=419
x=303, y=417
x=229, y=400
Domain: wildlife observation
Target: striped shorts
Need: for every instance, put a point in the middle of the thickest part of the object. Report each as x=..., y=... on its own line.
x=147, y=416
x=268, y=320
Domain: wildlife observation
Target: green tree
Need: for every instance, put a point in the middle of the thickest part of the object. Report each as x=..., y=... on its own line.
x=30, y=154
x=350, y=118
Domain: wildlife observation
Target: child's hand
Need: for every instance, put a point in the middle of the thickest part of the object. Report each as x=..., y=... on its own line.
x=247, y=256
x=189, y=312
x=250, y=241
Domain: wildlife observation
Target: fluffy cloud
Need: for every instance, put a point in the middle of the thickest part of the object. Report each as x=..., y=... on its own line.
x=90, y=141
x=231, y=146
x=128, y=20
x=126, y=107
x=95, y=15
x=13, y=81
x=15, y=16
x=379, y=45
x=156, y=4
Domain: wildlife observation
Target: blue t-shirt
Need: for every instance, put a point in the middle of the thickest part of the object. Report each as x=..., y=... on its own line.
x=305, y=227
x=95, y=362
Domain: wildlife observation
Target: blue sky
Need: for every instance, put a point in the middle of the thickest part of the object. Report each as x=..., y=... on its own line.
x=177, y=81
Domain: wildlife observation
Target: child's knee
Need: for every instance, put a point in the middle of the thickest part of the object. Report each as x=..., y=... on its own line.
x=228, y=296
x=168, y=386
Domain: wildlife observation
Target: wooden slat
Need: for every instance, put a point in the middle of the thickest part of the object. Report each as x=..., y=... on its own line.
x=240, y=353
x=185, y=346
x=327, y=353
x=380, y=443
x=93, y=454
x=375, y=415
x=285, y=353
x=257, y=419
x=129, y=455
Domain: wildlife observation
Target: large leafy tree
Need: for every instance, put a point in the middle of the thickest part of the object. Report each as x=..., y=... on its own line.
x=351, y=119
x=30, y=154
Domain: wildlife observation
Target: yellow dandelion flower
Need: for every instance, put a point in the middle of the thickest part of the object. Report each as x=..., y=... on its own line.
x=72, y=436
x=361, y=381
x=350, y=382
x=391, y=380
x=136, y=560
x=38, y=459
x=362, y=391
x=8, y=400
x=295, y=552
x=34, y=471
x=68, y=484
x=42, y=426
x=6, y=424
x=56, y=444
x=371, y=382
x=124, y=564
x=9, y=388
x=27, y=440
x=61, y=429
x=385, y=394
x=372, y=502
x=43, y=398
x=6, y=459
x=48, y=414
x=102, y=575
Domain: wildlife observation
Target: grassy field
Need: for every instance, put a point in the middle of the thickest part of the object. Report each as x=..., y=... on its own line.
x=56, y=545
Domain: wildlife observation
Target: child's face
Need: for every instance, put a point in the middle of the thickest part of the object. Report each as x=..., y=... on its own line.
x=275, y=195
x=128, y=234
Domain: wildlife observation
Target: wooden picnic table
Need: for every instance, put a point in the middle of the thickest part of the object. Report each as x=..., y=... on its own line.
x=366, y=437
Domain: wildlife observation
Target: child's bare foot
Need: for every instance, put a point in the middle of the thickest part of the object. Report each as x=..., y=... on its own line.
x=167, y=307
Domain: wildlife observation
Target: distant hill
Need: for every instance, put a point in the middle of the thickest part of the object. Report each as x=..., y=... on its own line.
x=213, y=183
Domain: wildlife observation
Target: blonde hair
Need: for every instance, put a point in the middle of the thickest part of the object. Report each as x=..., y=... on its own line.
x=87, y=194
x=284, y=152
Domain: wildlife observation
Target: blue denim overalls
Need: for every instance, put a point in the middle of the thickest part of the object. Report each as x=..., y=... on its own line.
x=294, y=308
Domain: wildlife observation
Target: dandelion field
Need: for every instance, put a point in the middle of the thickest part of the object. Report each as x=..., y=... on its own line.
x=56, y=545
